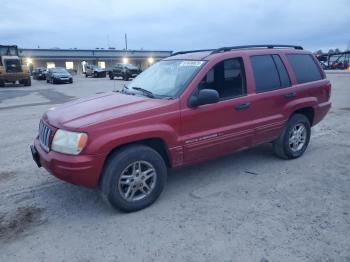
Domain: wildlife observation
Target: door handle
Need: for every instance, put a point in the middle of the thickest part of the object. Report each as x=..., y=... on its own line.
x=242, y=106
x=290, y=95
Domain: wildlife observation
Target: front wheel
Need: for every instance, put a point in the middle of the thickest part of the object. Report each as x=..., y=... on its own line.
x=295, y=138
x=28, y=82
x=133, y=178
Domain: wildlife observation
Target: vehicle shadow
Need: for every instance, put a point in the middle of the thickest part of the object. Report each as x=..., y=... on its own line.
x=77, y=201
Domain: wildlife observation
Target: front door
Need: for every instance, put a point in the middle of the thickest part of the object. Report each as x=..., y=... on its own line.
x=213, y=130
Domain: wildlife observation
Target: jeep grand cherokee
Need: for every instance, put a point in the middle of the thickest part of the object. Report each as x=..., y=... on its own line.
x=190, y=107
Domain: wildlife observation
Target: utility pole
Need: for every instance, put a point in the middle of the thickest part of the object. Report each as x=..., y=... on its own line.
x=126, y=42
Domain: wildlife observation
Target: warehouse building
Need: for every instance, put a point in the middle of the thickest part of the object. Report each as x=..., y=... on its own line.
x=75, y=59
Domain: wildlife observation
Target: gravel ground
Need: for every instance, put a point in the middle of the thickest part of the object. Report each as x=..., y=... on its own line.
x=249, y=206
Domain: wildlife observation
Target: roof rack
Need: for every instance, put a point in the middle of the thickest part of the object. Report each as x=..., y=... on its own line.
x=229, y=48
x=225, y=49
x=191, y=51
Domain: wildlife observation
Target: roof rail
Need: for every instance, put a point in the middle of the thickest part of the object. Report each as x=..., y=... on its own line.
x=225, y=49
x=191, y=51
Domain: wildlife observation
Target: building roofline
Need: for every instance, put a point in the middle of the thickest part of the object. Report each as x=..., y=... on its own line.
x=91, y=50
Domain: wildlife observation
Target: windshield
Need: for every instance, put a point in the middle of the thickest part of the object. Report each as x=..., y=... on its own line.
x=8, y=50
x=168, y=77
x=130, y=66
x=59, y=70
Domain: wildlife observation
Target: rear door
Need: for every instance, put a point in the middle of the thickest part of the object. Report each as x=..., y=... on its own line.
x=216, y=129
x=273, y=89
x=309, y=77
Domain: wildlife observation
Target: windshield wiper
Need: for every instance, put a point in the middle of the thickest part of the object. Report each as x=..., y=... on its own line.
x=144, y=91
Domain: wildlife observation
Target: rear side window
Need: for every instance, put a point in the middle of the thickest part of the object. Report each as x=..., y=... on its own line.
x=304, y=67
x=269, y=73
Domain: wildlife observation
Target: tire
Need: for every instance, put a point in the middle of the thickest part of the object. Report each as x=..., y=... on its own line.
x=86, y=75
x=95, y=74
x=2, y=83
x=111, y=76
x=284, y=147
x=27, y=82
x=47, y=80
x=121, y=163
x=71, y=81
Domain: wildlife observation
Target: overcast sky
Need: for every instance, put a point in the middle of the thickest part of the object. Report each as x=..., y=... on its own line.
x=174, y=25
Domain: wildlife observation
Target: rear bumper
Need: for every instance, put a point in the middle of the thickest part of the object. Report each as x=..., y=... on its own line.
x=81, y=170
x=321, y=111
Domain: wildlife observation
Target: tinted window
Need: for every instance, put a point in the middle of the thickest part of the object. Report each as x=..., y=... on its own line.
x=226, y=77
x=265, y=73
x=304, y=67
x=282, y=71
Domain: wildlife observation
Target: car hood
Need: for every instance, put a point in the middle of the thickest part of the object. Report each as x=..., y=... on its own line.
x=61, y=75
x=85, y=112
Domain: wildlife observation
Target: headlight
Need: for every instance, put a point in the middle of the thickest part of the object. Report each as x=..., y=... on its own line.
x=69, y=142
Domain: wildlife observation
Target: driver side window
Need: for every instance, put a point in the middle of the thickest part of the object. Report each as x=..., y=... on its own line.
x=227, y=78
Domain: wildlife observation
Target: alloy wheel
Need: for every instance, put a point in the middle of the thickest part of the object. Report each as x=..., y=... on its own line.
x=137, y=181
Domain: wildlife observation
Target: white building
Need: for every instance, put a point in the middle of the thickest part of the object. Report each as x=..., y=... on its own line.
x=74, y=59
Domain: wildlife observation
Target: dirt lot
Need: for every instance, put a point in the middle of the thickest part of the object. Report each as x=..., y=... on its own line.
x=249, y=206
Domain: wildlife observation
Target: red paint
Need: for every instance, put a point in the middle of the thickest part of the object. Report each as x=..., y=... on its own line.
x=190, y=135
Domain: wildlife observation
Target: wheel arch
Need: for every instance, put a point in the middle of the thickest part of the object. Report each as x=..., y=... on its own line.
x=156, y=143
x=309, y=112
x=304, y=106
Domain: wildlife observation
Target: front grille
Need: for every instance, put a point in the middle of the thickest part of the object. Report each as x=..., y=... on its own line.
x=44, y=136
x=13, y=66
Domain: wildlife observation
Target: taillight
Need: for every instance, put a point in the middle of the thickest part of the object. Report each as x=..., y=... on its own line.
x=328, y=90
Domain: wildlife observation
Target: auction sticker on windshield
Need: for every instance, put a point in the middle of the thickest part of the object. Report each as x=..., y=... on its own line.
x=191, y=63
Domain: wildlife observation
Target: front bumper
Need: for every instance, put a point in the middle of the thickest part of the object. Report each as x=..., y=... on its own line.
x=81, y=170
x=62, y=80
x=10, y=77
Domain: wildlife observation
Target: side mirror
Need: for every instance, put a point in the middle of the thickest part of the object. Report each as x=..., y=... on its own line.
x=204, y=97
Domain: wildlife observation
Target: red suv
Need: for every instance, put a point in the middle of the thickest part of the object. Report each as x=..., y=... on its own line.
x=190, y=107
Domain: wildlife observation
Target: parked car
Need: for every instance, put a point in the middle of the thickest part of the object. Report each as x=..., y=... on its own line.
x=58, y=75
x=39, y=73
x=94, y=71
x=125, y=71
x=188, y=108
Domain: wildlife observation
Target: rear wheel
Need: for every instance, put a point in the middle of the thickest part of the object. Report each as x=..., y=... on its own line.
x=295, y=138
x=133, y=178
x=2, y=83
x=111, y=76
